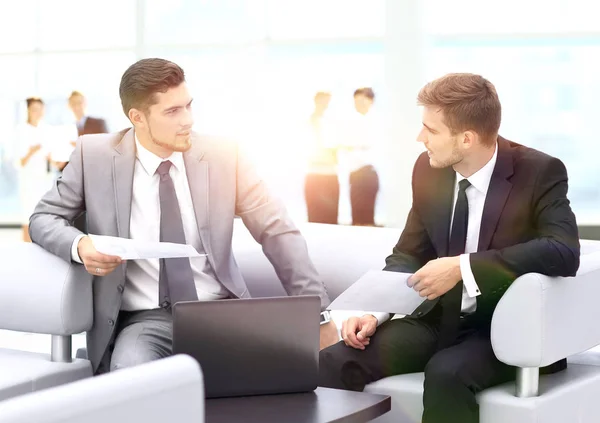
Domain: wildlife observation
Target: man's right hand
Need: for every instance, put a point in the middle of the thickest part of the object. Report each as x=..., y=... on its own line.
x=96, y=263
x=357, y=331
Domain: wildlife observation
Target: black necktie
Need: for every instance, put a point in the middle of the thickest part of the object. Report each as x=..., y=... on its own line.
x=176, y=280
x=451, y=301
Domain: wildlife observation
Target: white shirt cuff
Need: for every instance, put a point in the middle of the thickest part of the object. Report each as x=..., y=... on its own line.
x=380, y=316
x=468, y=277
x=74, y=254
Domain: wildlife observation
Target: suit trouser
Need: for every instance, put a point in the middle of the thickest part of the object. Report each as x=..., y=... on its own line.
x=322, y=193
x=142, y=336
x=364, y=185
x=453, y=376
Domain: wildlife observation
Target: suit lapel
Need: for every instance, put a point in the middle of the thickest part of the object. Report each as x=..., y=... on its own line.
x=442, y=211
x=497, y=194
x=123, y=167
x=197, y=171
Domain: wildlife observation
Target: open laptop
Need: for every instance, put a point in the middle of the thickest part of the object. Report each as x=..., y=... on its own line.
x=251, y=346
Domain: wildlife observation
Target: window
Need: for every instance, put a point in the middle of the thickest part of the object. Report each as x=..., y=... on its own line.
x=318, y=19
x=18, y=29
x=549, y=90
x=76, y=24
x=96, y=74
x=181, y=22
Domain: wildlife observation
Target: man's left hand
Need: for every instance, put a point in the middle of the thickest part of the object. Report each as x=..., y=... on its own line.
x=437, y=277
x=328, y=335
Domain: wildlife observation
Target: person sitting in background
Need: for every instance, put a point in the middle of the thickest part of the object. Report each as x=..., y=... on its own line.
x=34, y=155
x=161, y=181
x=321, y=187
x=485, y=211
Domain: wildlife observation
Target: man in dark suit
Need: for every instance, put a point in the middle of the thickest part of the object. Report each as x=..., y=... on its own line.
x=85, y=124
x=485, y=211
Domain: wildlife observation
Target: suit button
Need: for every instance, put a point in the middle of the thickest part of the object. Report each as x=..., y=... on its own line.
x=120, y=288
x=111, y=322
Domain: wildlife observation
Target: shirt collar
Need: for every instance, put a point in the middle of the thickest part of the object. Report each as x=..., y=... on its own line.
x=481, y=179
x=151, y=161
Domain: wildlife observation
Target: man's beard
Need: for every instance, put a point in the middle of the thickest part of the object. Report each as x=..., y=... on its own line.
x=453, y=160
x=180, y=147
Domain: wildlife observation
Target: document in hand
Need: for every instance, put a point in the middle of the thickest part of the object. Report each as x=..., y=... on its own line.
x=130, y=249
x=379, y=290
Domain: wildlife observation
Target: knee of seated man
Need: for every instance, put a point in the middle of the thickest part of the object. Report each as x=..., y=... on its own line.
x=442, y=369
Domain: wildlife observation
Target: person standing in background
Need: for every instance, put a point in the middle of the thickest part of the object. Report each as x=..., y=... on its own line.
x=321, y=187
x=85, y=125
x=33, y=144
x=358, y=140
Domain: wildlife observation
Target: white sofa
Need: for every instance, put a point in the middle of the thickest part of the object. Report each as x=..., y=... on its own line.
x=169, y=390
x=537, y=322
x=54, y=297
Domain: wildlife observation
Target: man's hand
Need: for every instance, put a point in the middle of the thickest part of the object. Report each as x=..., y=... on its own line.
x=328, y=335
x=437, y=277
x=357, y=331
x=96, y=263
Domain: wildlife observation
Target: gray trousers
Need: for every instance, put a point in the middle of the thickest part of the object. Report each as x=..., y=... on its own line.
x=142, y=336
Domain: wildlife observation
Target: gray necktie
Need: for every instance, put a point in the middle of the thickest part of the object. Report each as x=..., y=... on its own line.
x=176, y=281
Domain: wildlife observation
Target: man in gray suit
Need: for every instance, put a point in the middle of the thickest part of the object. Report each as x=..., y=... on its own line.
x=159, y=181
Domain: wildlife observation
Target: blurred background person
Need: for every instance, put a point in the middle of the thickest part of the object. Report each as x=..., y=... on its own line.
x=34, y=146
x=357, y=140
x=85, y=124
x=68, y=135
x=322, y=188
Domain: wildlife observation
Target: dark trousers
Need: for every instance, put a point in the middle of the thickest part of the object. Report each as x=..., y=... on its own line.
x=364, y=185
x=453, y=376
x=322, y=194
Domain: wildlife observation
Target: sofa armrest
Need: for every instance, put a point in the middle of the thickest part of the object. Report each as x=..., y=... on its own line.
x=41, y=293
x=540, y=320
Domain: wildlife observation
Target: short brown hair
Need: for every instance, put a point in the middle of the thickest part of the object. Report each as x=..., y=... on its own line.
x=32, y=100
x=76, y=94
x=142, y=80
x=366, y=91
x=468, y=101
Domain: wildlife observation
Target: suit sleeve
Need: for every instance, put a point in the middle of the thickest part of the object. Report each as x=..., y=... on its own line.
x=553, y=252
x=414, y=249
x=49, y=225
x=102, y=127
x=269, y=223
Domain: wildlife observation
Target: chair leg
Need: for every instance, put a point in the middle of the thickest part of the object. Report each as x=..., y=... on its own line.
x=528, y=381
x=61, y=349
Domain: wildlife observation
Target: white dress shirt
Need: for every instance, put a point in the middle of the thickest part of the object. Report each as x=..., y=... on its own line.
x=141, y=287
x=360, y=134
x=476, y=194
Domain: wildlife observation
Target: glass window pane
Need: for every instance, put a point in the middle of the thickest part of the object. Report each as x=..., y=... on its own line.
x=178, y=22
x=293, y=74
x=310, y=19
x=549, y=97
x=17, y=27
x=19, y=74
x=96, y=74
x=76, y=24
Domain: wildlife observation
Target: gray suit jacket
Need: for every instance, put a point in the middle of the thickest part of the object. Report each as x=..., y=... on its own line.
x=99, y=179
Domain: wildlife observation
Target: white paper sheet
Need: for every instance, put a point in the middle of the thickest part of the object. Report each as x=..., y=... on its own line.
x=129, y=249
x=379, y=290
